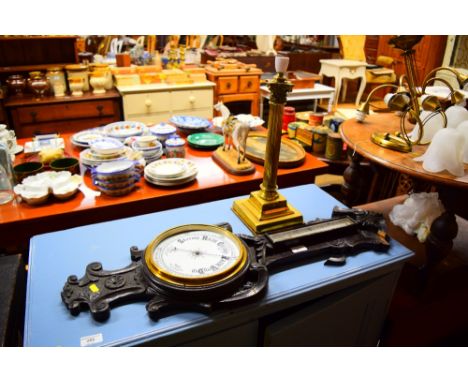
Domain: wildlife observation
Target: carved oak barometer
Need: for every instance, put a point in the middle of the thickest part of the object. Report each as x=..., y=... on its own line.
x=190, y=267
x=201, y=267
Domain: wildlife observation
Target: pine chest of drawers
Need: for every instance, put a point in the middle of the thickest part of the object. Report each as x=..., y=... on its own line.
x=235, y=81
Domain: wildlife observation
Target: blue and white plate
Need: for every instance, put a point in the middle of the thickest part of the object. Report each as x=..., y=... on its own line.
x=84, y=137
x=189, y=122
x=114, y=168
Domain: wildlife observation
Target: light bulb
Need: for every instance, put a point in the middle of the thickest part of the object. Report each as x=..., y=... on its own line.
x=388, y=97
x=360, y=116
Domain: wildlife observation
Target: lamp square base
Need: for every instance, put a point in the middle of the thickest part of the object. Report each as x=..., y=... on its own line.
x=260, y=215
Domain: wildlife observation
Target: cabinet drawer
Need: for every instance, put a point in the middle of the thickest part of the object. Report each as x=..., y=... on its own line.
x=191, y=99
x=65, y=111
x=227, y=85
x=146, y=103
x=68, y=126
x=248, y=84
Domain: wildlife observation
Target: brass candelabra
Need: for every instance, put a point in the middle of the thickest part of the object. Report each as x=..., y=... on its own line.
x=410, y=99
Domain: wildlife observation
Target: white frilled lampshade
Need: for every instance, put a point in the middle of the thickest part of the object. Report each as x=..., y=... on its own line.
x=432, y=126
x=445, y=153
x=455, y=115
x=462, y=128
x=281, y=64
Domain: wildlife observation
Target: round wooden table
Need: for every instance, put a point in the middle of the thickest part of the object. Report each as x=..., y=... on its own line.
x=452, y=190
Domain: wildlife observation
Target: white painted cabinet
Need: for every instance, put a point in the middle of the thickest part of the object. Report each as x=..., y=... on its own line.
x=156, y=103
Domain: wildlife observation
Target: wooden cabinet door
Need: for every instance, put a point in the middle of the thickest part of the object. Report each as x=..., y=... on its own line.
x=353, y=316
x=429, y=55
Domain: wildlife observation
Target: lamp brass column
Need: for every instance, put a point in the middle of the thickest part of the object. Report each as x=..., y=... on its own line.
x=266, y=209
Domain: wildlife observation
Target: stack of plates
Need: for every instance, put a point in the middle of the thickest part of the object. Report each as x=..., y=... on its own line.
x=115, y=178
x=103, y=150
x=171, y=172
x=205, y=141
x=189, y=124
x=82, y=138
x=124, y=129
x=151, y=153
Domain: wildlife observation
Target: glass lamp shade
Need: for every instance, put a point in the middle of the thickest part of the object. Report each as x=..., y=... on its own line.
x=445, y=153
x=455, y=115
x=281, y=64
x=432, y=126
x=462, y=128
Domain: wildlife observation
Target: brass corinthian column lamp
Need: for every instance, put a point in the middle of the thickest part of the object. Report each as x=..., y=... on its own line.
x=267, y=209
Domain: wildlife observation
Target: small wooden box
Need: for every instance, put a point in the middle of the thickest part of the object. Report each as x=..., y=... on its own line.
x=303, y=80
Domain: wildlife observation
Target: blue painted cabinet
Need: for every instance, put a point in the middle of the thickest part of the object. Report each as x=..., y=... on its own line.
x=309, y=304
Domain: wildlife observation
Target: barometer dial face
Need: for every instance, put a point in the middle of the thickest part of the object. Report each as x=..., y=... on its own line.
x=195, y=255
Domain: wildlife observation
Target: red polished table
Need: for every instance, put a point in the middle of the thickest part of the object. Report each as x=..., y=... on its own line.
x=19, y=221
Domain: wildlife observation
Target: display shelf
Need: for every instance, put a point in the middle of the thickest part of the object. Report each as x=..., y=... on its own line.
x=29, y=68
x=19, y=53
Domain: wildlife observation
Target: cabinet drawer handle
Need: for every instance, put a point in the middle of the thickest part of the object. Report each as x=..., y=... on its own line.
x=192, y=99
x=33, y=115
x=99, y=108
x=228, y=85
x=249, y=84
x=148, y=103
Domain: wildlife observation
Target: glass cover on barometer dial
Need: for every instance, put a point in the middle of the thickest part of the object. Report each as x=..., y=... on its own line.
x=196, y=254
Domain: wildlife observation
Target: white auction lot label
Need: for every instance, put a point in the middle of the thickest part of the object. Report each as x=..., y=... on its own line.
x=91, y=340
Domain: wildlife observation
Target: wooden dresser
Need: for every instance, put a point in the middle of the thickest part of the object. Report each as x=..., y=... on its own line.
x=235, y=81
x=30, y=116
x=155, y=103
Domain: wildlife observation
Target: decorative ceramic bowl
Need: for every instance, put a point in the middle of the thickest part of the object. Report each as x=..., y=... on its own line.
x=147, y=141
x=26, y=169
x=66, y=164
x=189, y=124
x=162, y=131
x=106, y=145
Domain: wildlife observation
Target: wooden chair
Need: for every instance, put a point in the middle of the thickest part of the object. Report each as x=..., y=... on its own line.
x=352, y=48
